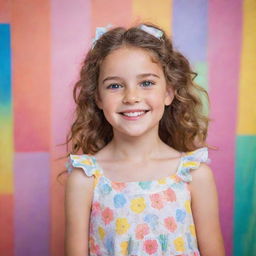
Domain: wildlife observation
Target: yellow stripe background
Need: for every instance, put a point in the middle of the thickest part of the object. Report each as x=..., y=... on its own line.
x=247, y=91
x=157, y=12
x=6, y=156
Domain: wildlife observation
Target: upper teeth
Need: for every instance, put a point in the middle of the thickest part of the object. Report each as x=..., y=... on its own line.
x=133, y=113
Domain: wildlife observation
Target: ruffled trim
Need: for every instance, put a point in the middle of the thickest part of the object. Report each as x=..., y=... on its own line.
x=82, y=161
x=190, y=161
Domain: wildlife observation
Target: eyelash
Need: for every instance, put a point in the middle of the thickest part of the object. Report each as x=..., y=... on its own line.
x=146, y=81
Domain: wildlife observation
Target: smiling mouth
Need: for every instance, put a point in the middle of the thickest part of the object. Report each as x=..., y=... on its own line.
x=134, y=113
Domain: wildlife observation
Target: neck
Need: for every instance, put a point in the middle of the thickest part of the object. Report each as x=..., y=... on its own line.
x=136, y=149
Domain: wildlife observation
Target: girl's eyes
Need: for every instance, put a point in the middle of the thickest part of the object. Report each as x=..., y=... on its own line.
x=113, y=86
x=145, y=83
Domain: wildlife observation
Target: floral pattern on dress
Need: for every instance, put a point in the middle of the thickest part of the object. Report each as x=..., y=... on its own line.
x=145, y=217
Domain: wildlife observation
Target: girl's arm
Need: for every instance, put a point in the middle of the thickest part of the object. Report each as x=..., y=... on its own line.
x=206, y=212
x=78, y=198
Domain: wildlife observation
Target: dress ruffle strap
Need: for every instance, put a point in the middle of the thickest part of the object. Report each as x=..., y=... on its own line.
x=190, y=161
x=81, y=161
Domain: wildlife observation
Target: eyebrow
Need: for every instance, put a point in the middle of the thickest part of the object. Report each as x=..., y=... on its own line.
x=138, y=76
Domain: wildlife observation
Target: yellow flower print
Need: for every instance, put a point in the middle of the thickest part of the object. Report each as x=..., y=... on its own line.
x=86, y=161
x=101, y=233
x=192, y=230
x=97, y=174
x=187, y=206
x=138, y=204
x=190, y=164
x=122, y=226
x=179, y=244
x=162, y=181
x=124, y=248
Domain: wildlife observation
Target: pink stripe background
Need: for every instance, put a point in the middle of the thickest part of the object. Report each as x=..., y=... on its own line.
x=70, y=34
x=224, y=47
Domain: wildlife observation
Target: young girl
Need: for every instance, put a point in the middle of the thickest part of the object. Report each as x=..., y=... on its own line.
x=138, y=182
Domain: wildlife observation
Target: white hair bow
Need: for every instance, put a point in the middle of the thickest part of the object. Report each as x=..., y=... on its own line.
x=153, y=31
x=99, y=32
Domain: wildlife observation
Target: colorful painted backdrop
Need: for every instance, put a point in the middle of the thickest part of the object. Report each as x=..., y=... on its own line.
x=42, y=44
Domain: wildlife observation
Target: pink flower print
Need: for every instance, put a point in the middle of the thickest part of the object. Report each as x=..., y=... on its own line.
x=94, y=248
x=119, y=186
x=169, y=195
x=156, y=201
x=95, y=208
x=142, y=230
x=170, y=224
x=107, y=215
x=150, y=246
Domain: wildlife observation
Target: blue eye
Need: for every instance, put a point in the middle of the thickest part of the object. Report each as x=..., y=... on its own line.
x=114, y=86
x=147, y=83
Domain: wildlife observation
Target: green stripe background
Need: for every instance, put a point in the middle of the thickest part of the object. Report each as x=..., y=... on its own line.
x=245, y=194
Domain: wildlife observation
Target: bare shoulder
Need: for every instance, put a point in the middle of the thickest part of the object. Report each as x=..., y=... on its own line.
x=78, y=199
x=205, y=208
x=79, y=181
x=79, y=190
x=200, y=176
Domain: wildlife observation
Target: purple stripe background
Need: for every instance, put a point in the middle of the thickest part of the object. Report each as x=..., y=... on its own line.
x=224, y=63
x=190, y=28
x=31, y=202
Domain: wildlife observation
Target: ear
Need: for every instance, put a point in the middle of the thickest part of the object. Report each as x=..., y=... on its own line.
x=169, y=95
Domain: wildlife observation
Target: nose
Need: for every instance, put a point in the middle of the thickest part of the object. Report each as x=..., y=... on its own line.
x=131, y=96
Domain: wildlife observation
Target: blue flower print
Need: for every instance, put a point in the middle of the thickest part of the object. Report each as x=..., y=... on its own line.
x=152, y=220
x=180, y=215
x=109, y=243
x=189, y=240
x=105, y=188
x=178, y=185
x=119, y=200
x=145, y=184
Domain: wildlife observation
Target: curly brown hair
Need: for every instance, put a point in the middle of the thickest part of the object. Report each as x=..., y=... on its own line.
x=183, y=125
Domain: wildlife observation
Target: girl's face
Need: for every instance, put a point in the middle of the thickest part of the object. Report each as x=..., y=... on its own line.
x=132, y=91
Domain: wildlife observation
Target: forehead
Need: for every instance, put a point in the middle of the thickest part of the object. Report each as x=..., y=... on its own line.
x=127, y=61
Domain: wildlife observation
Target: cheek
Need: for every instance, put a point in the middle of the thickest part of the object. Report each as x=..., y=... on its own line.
x=157, y=100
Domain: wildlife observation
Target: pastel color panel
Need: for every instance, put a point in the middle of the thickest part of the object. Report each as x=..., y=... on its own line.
x=5, y=11
x=6, y=224
x=190, y=37
x=190, y=28
x=247, y=91
x=245, y=194
x=6, y=122
x=31, y=74
x=32, y=204
x=114, y=12
x=224, y=63
x=201, y=68
x=158, y=12
x=70, y=39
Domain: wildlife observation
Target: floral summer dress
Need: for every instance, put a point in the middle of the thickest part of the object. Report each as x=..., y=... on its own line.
x=142, y=218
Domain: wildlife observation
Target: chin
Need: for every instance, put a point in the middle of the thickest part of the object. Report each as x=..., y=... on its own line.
x=137, y=132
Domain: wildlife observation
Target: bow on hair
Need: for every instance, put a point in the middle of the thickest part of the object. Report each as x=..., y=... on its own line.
x=151, y=30
x=99, y=32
